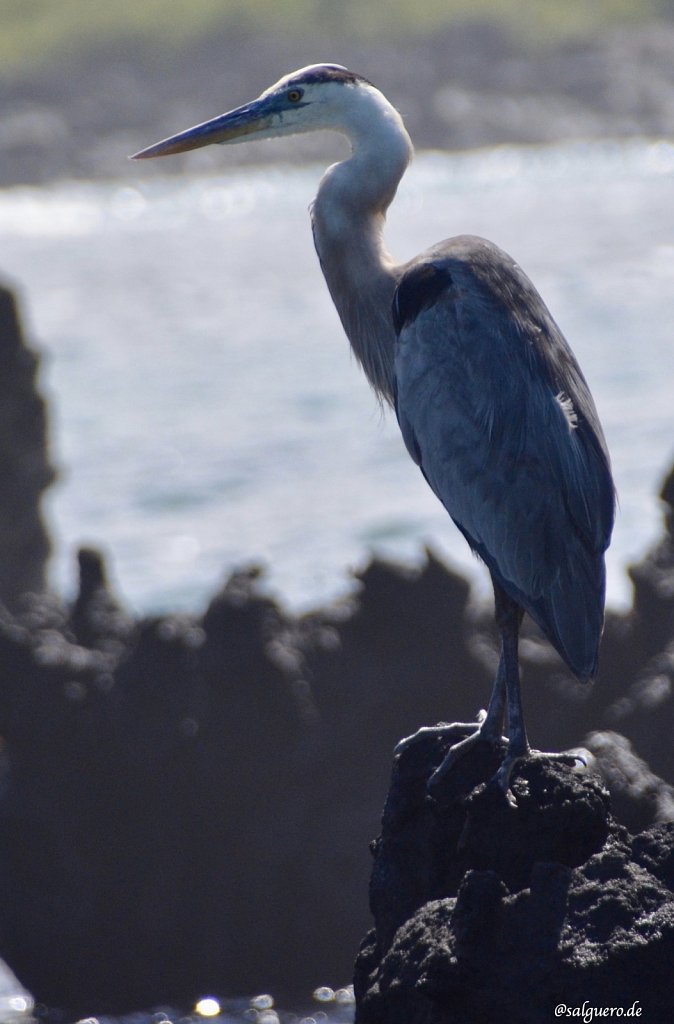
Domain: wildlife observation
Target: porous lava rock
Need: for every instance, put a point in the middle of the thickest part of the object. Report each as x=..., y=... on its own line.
x=487, y=910
x=179, y=791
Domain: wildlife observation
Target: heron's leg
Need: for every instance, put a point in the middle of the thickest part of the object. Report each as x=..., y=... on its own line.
x=487, y=726
x=490, y=723
x=509, y=618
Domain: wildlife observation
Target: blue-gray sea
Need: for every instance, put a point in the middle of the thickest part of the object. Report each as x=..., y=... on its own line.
x=207, y=412
x=205, y=409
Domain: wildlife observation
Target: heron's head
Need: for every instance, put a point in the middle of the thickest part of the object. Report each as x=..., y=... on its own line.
x=316, y=97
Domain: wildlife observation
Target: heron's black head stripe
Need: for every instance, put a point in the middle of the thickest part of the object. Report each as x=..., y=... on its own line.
x=419, y=289
x=329, y=73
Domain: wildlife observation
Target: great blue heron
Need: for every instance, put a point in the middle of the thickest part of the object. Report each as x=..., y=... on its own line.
x=491, y=402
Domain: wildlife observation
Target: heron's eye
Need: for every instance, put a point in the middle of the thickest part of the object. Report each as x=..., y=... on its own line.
x=295, y=95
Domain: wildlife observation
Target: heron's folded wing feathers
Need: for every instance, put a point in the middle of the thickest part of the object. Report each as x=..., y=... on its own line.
x=496, y=412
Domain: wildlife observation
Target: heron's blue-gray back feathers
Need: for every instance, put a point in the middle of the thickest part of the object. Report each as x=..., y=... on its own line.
x=493, y=406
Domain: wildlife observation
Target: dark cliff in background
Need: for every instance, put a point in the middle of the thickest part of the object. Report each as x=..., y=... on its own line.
x=25, y=469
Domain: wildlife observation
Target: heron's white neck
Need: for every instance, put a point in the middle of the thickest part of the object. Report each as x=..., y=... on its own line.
x=348, y=218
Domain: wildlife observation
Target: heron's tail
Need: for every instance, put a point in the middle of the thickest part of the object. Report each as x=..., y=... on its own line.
x=571, y=614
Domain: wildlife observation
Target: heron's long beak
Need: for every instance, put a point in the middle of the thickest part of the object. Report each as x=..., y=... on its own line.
x=251, y=119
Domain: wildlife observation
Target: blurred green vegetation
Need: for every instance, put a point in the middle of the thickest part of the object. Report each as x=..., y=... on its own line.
x=34, y=31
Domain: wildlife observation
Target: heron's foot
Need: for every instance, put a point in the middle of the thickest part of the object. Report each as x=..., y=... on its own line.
x=443, y=729
x=481, y=731
x=512, y=759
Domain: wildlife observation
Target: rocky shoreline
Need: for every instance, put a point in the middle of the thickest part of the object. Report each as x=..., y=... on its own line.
x=472, y=85
x=187, y=802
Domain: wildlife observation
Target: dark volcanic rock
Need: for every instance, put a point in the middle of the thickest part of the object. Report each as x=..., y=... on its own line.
x=485, y=912
x=180, y=792
x=97, y=620
x=187, y=802
x=25, y=471
x=149, y=808
x=653, y=581
x=643, y=707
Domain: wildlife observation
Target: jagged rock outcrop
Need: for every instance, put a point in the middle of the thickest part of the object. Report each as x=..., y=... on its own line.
x=25, y=469
x=181, y=791
x=487, y=911
x=178, y=792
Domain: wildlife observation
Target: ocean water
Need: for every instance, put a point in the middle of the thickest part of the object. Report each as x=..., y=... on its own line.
x=206, y=412
x=324, y=1006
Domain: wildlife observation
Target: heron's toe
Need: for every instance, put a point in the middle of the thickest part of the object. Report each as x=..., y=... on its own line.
x=438, y=731
x=478, y=734
x=511, y=760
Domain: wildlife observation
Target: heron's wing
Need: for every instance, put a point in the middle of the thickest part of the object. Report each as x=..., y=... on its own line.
x=495, y=410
